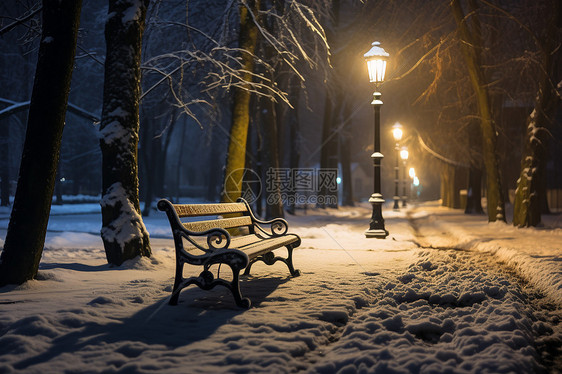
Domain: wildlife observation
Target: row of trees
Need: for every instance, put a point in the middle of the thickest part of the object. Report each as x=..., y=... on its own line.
x=480, y=60
x=245, y=73
x=225, y=64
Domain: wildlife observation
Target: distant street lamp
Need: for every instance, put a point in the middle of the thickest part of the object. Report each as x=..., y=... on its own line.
x=404, y=156
x=376, y=59
x=397, y=134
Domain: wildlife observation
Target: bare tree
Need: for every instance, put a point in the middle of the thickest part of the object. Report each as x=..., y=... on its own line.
x=123, y=232
x=236, y=158
x=30, y=214
x=471, y=44
x=530, y=195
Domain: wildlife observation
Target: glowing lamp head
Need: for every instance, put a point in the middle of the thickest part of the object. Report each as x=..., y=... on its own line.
x=404, y=154
x=412, y=173
x=397, y=131
x=376, y=63
x=416, y=181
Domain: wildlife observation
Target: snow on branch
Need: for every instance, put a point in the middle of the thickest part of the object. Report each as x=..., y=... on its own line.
x=195, y=63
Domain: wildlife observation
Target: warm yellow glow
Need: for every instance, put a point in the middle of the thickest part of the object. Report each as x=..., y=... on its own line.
x=376, y=59
x=412, y=173
x=397, y=131
x=404, y=154
x=377, y=69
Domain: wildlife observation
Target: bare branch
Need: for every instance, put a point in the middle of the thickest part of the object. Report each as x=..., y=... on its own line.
x=20, y=20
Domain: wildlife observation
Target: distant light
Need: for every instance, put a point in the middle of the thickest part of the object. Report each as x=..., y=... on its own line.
x=412, y=173
x=397, y=131
x=338, y=180
x=62, y=179
x=404, y=154
x=416, y=181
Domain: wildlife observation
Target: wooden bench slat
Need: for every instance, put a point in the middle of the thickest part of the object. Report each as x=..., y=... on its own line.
x=253, y=245
x=196, y=210
x=223, y=223
x=241, y=241
x=258, y=248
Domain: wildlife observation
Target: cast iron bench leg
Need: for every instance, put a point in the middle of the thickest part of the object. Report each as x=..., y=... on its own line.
x=242, y=302
x=270, y=259
x=176, y=290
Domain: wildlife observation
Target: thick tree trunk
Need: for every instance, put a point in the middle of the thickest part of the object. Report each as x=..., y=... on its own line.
x=235, y=162
x=30, y=214
x=474, y=192
x=469, y=46
x=452, y=179
x=5, y=163
x=123, y=232
x=530, y=194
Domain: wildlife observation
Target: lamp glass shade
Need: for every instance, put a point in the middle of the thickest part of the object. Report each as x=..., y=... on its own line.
x=404, y=154
x=412, y=173
x=376, y=59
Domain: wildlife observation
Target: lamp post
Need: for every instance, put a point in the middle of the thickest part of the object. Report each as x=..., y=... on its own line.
x=376, y=59
x=404, y=156
x=397, y=134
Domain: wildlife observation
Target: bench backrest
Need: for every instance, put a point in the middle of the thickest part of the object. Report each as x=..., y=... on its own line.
x=231, y=211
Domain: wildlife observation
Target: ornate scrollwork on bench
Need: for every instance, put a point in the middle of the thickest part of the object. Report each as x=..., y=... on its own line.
x=277, y=226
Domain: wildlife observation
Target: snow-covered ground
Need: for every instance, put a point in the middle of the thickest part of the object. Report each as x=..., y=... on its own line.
x=445, y=292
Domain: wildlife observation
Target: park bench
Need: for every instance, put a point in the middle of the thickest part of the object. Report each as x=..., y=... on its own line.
x=207, y=242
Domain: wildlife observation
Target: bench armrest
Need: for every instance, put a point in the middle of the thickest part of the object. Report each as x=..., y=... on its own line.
x=217, y=238
x=278, y=226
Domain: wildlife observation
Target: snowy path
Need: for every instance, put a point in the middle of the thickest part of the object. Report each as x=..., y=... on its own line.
x=360, y=306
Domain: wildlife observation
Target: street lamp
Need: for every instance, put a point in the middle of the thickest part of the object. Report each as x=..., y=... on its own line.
x=376, y=59
x=412, y=173
x=397, y=134
x=404, y=156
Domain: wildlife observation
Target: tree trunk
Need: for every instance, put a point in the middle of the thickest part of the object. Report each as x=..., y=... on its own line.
x=474, y=186
x=328, y=153
x=274, y=203
x=347, y=196
x=474, y=192
x=30, y=214
x=294, y=142
x=179, y=166
x=530, y=194
x=470, y=44
x=215, y=166
x=123, y=232
x=446, y=186
x=5, y=163
x=235, y=162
